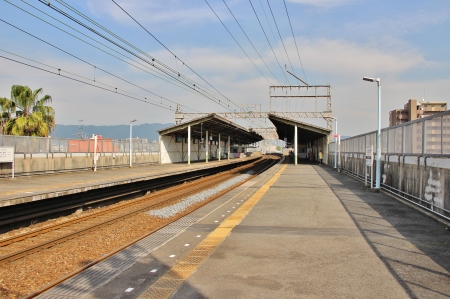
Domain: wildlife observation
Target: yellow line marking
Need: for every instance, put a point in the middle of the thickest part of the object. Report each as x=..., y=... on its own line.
x=172, y=279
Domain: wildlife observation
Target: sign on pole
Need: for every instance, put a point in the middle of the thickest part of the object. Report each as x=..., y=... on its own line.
x=369, y=163
x=369, y=155
x=335, y=135
x=7, y=156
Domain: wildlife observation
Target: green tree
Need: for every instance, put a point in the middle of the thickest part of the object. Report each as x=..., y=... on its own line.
x=33, y=116
x=6, y=106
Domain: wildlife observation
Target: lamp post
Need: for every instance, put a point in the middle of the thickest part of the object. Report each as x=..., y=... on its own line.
x=378, y=166
x=335, y=142
x=131, y=142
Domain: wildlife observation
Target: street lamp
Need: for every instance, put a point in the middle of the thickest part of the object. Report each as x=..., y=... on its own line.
x=378, y=173
x=335, y=142
x=131, y=141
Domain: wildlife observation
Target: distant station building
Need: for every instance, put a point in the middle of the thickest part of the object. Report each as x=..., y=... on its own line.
x=415, y=109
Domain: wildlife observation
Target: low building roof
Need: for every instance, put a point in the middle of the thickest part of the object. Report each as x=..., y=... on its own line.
x=305, y=132
x=214, y=124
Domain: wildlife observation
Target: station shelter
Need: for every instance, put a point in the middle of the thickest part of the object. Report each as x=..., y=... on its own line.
x=204, y=139
x=306, y=139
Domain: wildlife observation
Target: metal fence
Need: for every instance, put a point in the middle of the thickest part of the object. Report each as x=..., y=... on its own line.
x=428, y=136
x=44, y=145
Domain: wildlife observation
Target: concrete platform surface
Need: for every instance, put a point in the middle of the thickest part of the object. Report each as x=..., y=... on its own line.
x=301, y=231
x=33, y=188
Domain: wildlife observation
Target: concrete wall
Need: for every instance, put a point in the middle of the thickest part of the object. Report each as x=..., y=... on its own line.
x=42, y=163
x=426, y=179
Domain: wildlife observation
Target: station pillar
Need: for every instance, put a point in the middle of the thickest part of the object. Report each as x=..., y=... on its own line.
x=219, y=148
x=228, y=154
x=189, y=145
x=206, y=146
x=295, y=145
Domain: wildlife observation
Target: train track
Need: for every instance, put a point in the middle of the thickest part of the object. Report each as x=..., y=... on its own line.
x=256, y=167
x=28, y=243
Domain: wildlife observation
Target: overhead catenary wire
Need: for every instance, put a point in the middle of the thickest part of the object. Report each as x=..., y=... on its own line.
x=193, y=86
x=166, y=47
x=266, y=36
x=293, y=36
x=250, y=40
x=276, y=25
x=119, y=38
x=174, y=53
x=237, y=42
x=89, y=79
x=271, y=30
x=80, y=81
x=74, y=56
x=107, y=52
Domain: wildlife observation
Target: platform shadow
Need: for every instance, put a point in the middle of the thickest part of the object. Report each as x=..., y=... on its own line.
x=414, y=247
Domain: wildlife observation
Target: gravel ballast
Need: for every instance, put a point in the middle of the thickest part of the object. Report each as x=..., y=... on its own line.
x=179, y=207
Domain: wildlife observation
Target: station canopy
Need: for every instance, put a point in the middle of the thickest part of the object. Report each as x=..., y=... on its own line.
x=215, y=125
x=305, y=132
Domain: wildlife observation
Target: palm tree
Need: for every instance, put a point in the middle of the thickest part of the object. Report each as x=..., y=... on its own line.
x=6, y=106
x=33, y=117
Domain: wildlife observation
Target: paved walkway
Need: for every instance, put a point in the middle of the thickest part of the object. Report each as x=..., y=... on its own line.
x=39, y=187
x=301, y=231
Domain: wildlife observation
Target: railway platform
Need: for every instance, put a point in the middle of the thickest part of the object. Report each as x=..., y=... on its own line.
x=40, y=187
x=302, y=231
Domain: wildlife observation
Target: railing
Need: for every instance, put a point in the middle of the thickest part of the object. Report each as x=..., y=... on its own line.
x=44, y=145
x=428, y=136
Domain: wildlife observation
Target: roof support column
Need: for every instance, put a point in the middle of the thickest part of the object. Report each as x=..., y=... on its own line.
x=189, y=145
x=219, y=148
x=295, y=145
x=228, y=155
x=206, y=144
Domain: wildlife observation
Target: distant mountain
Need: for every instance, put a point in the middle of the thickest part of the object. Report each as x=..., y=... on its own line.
x=144, y=131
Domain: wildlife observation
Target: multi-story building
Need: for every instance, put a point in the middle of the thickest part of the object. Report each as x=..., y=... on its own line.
x=415, y=109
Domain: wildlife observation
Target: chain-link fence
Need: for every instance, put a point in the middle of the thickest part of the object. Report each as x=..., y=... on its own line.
x=44, y=145
x=428, y=136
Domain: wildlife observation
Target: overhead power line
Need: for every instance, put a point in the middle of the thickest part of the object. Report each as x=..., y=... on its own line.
x=293, y=36
x=166, y=47
x=276, y=25
x=76, y=57
x=163, y=68
x=250, y=40
x=159, y=104
x=80, y=81
x=123, y=60
x=237, y=42
x=172, y=52
x=266, y=36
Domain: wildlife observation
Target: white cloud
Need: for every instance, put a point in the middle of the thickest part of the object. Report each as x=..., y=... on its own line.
x=343, y=58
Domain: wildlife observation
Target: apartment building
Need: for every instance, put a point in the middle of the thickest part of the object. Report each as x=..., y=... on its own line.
x=415, y=109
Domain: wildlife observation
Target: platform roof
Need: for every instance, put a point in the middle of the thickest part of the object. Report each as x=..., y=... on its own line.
x=214, y=124
x=305, y=132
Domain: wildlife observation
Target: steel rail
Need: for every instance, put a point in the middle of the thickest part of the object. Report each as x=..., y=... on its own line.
x=270, y=163
x=139, y=206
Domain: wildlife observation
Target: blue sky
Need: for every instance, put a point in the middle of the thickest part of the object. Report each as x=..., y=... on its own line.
x=405, y=43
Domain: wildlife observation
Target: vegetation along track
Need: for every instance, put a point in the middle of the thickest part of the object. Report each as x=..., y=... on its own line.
x=27, y=243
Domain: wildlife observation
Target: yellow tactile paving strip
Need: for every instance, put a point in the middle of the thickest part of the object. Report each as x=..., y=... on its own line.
x=172, y=280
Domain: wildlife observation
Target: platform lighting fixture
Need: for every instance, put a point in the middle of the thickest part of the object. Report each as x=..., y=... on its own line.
x=378, y=157
x=131, y=142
